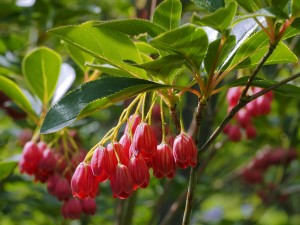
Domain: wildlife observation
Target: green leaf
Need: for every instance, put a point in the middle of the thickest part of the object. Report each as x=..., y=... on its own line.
x=217, y=20
x=13, y=91
x=41, y=69
x=272, y=12
x=189, y=41
x=213, y=49
x=168, y=14
x=93, y=96
x=109, y=46
x=133, y=27
x=210, y=5
x=109, y=69
x=162, y=68
x=253, y=49
x=6, y=168
x=146, y=48
x=250, y=5
x=285, y=89
x=79, y=57
x=296, y=8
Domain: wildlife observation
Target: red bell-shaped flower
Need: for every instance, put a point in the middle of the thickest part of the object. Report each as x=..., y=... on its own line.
x=163, y=162
x=139, y=171
x=101, y=164
x=89, y=206
x=51, y=183
x=47, y=161
x=84, y=183
x=125, y=141
x=71, y=209
x=121, y=182
x=132, y=123
x=117, y=149
x=184, y=151
x=63, y=189
x=31, y=156
x=144, y=140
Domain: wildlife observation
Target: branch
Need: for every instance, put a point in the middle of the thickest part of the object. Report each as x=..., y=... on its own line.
x=280, y=83
x=261, y=63
x=193, y=174
x=244, y=99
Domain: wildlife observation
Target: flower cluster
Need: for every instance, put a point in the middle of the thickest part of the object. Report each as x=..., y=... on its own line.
x=243, y=119
x=55, y=166
x=126, y=163
x=254, y=172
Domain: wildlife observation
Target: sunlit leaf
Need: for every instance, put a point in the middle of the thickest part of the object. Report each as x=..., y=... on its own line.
x=253, y=49
x=108, y=46
x=12, y=90
x=212, y=52
x=79, y=57
x=189, y=41
x=133, y=27
x=41, y=70
x=168, y=14
x=217, y=20
x=162, y=68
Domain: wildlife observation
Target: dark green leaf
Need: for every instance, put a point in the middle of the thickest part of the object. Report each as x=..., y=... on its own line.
x=168, y=14
x=109, y=46
x=217, y=20
x=212, y=52
x=6, y=168
x=13, y=91
x=188, y=41
x=79, y=57
x=285, y=89
x=162, y=68
x=41, y=69
x=210, y=5
x=253, y=49
x=133, y=27
x=93, y=96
